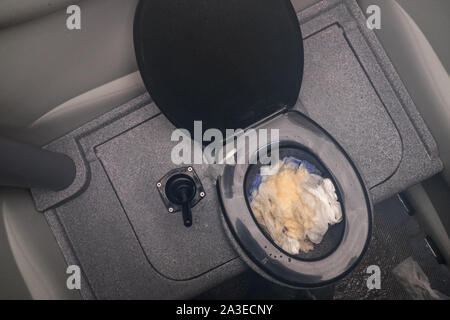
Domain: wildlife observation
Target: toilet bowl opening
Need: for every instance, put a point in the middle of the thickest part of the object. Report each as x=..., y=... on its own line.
x=334, y=234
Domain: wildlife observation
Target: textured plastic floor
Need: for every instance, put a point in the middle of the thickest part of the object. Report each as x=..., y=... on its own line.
x=112, y=222
x=396, y=236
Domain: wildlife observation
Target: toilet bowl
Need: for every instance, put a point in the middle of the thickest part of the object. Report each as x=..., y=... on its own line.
x=239, y=64
x=343, y=244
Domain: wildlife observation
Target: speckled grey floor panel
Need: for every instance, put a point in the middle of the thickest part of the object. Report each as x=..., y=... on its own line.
x=396, y=236
x=112, y=222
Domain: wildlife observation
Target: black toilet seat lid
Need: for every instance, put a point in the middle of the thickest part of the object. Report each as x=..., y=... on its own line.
x=259, y=251
x=228, y=63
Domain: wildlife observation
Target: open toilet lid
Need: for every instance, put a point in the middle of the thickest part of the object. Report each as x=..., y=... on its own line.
x=228, y=63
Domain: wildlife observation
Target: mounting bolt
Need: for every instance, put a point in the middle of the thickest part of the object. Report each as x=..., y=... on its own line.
x=189, y=169
x=170, y=210
x=158, y=184
x=202, y=194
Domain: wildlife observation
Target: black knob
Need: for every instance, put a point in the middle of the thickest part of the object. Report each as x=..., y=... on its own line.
x=181, y=189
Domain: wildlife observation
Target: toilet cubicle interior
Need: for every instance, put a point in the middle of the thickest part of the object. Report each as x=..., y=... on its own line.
x=102, y=220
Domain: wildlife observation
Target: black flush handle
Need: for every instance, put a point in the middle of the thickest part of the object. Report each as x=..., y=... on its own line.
x=181, y=189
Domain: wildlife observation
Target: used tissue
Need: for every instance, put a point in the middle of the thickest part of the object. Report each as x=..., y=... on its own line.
x=294, y=204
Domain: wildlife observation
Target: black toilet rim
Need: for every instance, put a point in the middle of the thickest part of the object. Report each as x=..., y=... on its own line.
x=266, y=257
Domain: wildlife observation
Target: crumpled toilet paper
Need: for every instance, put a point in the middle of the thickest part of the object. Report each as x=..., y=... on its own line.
x=415, y=281
x=294, y=204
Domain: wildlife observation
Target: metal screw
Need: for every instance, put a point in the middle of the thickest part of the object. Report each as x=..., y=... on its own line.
x=189, y=168
x=158, y=184
x=202, y=194
x=170, y=210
